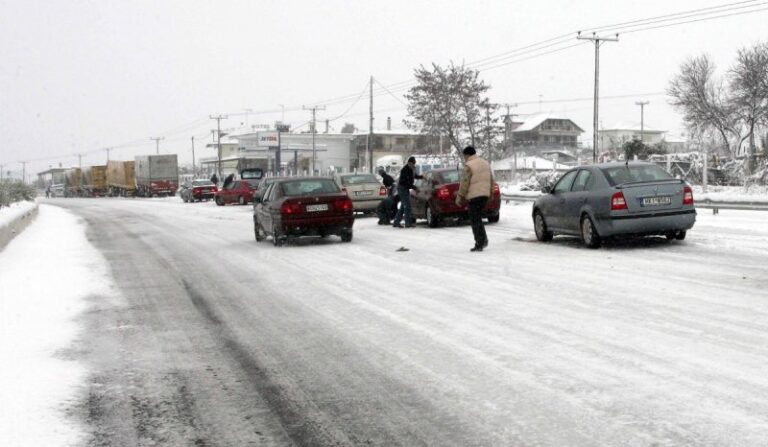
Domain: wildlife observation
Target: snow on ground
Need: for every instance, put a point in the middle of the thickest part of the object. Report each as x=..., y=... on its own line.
x=46, y=274
x=8, y=214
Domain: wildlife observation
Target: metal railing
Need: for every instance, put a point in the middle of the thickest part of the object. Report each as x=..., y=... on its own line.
x=707, y=203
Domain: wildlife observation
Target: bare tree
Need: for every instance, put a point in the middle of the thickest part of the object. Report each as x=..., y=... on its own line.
x=702, y=100
x=735, y=107
x=449, y=101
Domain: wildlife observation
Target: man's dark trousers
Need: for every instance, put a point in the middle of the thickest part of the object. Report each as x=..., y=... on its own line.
x=476, y=206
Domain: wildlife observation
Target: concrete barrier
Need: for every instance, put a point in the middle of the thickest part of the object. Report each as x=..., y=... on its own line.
x=14, y=219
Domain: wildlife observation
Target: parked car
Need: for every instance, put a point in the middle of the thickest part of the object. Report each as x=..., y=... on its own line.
x=365, y=190
x=237, y=191
x=436, y=198
x=303, y=206
x=600, y=201
x=198, y=189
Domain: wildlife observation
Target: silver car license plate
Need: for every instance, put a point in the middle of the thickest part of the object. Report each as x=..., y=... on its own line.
x=318, y=207
x=655, y=201
x=363, y=193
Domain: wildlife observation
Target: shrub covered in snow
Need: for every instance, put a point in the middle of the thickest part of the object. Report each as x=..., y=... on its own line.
x=15, y=191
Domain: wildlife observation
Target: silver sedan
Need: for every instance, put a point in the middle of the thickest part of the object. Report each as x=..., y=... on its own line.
x=600, y=201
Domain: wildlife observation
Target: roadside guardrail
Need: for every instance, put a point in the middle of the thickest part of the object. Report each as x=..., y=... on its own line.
x=714, y=205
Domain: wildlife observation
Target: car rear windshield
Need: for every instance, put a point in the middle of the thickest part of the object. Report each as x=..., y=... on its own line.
x=202, y=183
x=309, y=187
x=358, y=179
x=619, y=175
x=451, y=176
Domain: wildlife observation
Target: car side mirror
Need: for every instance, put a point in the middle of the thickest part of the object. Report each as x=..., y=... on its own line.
x=546, y=189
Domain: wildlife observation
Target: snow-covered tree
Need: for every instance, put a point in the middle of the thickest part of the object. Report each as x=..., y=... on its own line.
x=451, y=101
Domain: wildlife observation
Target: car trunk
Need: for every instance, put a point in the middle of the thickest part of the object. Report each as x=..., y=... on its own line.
x=662, y=195
x=363, y=191
x=315, y=207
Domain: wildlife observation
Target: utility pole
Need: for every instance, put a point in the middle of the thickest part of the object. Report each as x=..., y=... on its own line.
x=79, y=160
x=314, y=110
x=107, y=149
x=598, y=41
x=24, y=172
x=218, y=119
x=194, y=170
x=642, y=105
x=508, y=142
x=369, y=142
x=1, y=173
x=157, y=143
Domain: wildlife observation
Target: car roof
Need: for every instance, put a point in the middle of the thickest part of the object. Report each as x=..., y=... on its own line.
x=616, y=164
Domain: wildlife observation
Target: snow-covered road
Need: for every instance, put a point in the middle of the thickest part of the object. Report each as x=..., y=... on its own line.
x=222, y=340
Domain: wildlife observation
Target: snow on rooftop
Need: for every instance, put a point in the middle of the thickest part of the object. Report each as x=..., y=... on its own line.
x=630, y=125
x=532, y=121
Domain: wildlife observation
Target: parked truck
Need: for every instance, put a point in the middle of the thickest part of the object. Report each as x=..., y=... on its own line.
x=121, y=179
x=73, y=180
x=95, y=181
x=157, y=175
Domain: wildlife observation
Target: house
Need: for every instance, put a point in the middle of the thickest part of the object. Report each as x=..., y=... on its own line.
x=613, y=138
x=544, y=131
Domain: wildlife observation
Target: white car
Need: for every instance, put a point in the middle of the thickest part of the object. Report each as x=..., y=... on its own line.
x=364, y=189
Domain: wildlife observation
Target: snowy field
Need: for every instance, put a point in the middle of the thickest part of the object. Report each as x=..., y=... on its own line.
x=642, y=342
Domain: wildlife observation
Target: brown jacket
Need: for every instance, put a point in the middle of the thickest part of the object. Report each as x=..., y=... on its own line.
x=477, y=180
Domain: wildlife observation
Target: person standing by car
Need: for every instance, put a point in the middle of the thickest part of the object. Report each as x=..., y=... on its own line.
x=384, y=210
x=476, y=187
x=404, y=187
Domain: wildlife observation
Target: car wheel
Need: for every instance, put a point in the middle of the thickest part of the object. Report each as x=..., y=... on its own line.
x=258, y=232
x=680, y=235
x=540, y=227
x=589, y=233
x=240, y=200
x=184, y=199
x=219, y=201
x=346, y=236
x=493, y=219
x=432, y=220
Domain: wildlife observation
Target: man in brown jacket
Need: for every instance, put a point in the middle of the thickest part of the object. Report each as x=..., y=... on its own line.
x=476, y=188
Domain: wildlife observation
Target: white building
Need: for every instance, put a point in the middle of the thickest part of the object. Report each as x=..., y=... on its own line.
x=614, y=137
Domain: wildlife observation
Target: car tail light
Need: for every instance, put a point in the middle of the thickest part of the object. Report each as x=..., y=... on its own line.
x=196, y=190
x=214, y=189
x=687, y=196
x=443, y=193
x=382, y=191
x=618, y=202
x=496, y=190
x=290, y=208
x=344, y=204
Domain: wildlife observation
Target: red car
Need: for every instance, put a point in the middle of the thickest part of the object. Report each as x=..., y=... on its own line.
x=436, y=198
x=239, y=191
x=303, y=206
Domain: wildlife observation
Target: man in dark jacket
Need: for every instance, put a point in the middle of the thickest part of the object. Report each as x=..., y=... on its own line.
x=404, y=187
x=384, y=210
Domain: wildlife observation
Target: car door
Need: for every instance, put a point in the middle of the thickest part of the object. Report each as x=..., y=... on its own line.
x=419, y=200
x=556, y=212
x=577, y=199
x=264, y=215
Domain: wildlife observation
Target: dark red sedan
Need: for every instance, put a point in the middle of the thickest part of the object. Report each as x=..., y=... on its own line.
x=238, y=191
x=436, y=198
x=302, y=206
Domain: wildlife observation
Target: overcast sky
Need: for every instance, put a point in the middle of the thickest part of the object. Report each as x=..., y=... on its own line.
x=77, y=76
